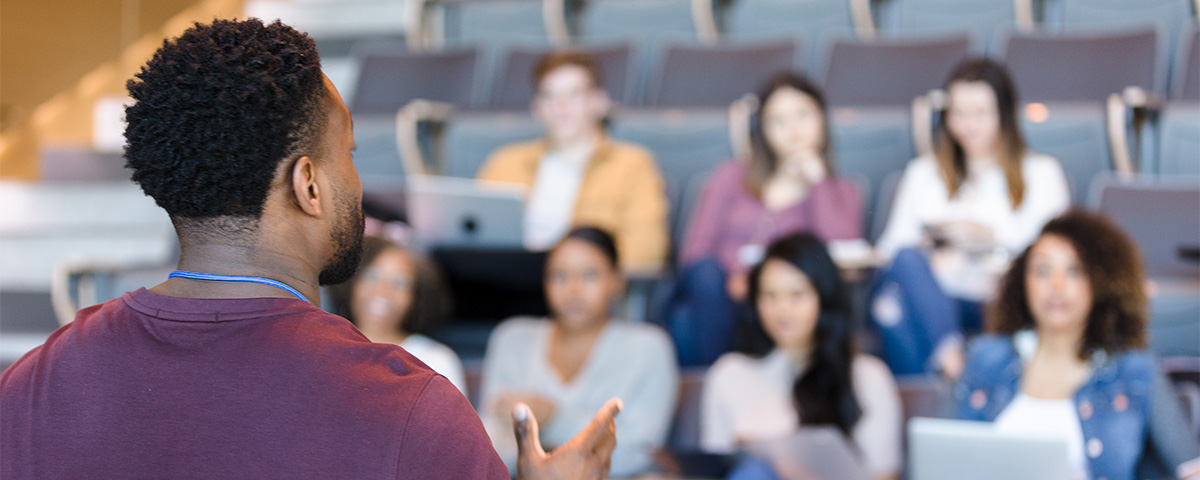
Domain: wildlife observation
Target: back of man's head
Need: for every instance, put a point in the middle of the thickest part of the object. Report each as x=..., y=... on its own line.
x=217, y=111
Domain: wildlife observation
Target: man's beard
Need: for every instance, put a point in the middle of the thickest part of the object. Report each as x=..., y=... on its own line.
x=348, y=236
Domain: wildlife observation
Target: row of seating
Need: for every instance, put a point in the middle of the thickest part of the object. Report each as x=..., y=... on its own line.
x=498, y=26
x=882, y=72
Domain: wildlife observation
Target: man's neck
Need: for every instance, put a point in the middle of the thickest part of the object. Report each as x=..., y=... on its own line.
x=586, y=141
x=242, y=260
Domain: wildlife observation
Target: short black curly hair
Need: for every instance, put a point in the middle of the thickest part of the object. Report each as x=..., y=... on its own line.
x=217, y=110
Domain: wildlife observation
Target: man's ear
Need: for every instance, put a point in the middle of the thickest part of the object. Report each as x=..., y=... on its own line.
x=304, y=187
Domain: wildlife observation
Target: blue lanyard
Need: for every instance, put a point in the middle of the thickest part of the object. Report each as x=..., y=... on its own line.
x=237, y=278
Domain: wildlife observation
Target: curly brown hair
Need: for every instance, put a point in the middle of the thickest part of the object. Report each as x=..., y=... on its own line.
x=1113, y=263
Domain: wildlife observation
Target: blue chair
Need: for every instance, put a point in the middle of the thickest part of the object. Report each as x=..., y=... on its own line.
x=468, y=139
x=813, y=23
x=984, y=20
x=1168, y=16
x=376, y=157
x=1083, y=67
x=1179, y=139
x=908, y=67
x=1158, y=212
x=714, y=76
x=871, y=143
x=390, y=78
x=649, y=24
x=494, y=26
x=1075, y=134
x=1185, y=83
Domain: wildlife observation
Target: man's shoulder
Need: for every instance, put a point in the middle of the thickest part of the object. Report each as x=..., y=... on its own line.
x=442, y=425
x=518, y=152
x=631, y=155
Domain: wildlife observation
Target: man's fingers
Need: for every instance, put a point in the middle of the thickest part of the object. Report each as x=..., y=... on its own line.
x=607, y=443
x=525, y=427
x=603, y=424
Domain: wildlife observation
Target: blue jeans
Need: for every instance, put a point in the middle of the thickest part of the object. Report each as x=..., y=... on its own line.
x=700, y=315
x=914, y=315
x=752, y=468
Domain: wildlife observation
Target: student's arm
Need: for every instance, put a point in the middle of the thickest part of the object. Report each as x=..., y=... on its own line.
x=1046, y=196
x=704, y=226
x=649, y=408
x=1168, y=433
x=878, y=432
x=642, y=235
x=716, y=427
x=509, y=164
x=838, y=207
x=502, y=372
x=903, y=224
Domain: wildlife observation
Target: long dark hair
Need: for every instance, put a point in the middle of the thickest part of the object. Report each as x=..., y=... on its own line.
x=431, y=304
x=596, y=237
x=823, y=393
x=950, y=156
x=763, y=161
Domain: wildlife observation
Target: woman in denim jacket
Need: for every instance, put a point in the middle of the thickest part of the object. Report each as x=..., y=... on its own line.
x=1066, y=358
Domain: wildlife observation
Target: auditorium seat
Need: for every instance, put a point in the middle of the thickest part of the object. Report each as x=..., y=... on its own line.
x=1168, y=237
x=495, y=27
x=685, y=428
x=1158, y=212
x=479, y=22
x=685, y=206
x=1083, y=67
x=649, y=24
x=1179, y=138
x=982, y=19
x=376, y=156
x=513, y=86
x=1185, y=84
x=1072, y=132
x=813, y=23
x=684, y=142
x=871, y=142
x=390, y=77
x=1169, y=16
x=883, y=205
x=890, y=72
x=468, y=139
x=713, y=76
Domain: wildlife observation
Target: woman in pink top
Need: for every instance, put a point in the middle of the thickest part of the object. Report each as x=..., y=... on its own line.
x=786, y=186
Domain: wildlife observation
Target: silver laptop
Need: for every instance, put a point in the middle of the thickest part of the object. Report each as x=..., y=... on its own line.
x=812, y=453
x=940, y=449
x=464, y=212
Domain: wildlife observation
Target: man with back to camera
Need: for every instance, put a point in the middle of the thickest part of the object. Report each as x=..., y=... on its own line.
x=226, y=370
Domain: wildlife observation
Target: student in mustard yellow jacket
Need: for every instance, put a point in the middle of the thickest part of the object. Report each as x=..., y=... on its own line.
x=576, y=175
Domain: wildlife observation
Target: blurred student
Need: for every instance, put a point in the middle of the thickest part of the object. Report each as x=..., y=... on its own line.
x=787, y=185
x=576, y=175
x=978, y=198
x=1066, y=357
x=798, y=366
x=398, y=297
x=566, y=366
